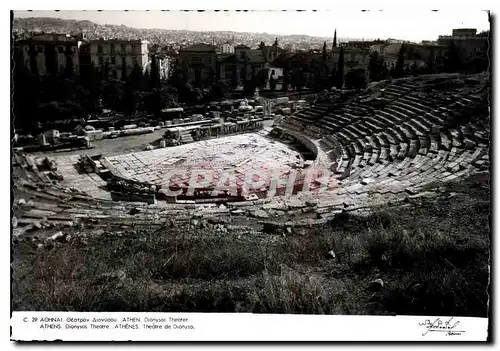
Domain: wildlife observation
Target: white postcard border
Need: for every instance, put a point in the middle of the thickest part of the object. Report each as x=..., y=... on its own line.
x=74, y=326
x=359, y=328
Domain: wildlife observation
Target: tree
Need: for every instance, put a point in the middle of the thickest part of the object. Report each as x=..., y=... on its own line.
x=478, y=62
x=219, y=90
x=340, y=70
x=323, y=54
x=429, y=65
x=135, y=77
x=177, y=78
x=334, y=44
x=152, y=102
x=332, y=78
x=286, y=74
x=25, y=96
x=188, y=94
x=253, y=75
x=272, y=83
x=398, y=71
x=249, y=87
x=302, y=80
x=92, y=82
x=146, y=81
x=49, y=111
x=245, y=66
x=321, y=79
x=407, y=70
x=154, y=76
x=452, y=61
x=217, y=70
x=384, y=71
x=51, y=60
x=124, y=76
x=375, y=67
x=234, y=79
x=414, y=69
x=299, y=79
x=158, y=99
x=105, y=70
x=113, y=93
x=356, y=79
x=261, y=78
x=33, y=61
x=68, y=70
x=130, y=97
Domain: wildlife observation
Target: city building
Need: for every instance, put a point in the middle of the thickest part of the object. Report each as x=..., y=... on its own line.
x=270, y=52
x=198, y=62
x=46, y=54
x=464, y=32
x=466, y=40
x=227, y=48
x=242, y=64
x=354, y=57
x=274, y=72
x=239, y=51
x=414, y=54
x=119, y=55
x=163, y=63
x=229, y=70
x=361, y=44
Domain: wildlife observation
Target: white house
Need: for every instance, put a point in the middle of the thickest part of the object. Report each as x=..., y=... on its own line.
x=275, y=72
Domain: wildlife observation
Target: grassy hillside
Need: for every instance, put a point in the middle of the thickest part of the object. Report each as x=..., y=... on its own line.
x=429, y=257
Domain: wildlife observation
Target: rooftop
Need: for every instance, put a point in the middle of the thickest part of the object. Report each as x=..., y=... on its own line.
x=200, y=47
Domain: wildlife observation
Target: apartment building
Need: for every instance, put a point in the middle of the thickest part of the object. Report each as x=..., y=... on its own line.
x=46, y=54
x=120, y=55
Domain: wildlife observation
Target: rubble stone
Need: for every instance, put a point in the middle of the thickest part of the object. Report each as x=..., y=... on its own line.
x=259, y=214
x=56, y=236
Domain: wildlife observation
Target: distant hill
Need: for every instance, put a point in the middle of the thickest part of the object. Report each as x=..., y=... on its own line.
x=23, y=26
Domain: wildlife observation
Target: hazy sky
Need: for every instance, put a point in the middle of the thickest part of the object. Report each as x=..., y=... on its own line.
x=409, y=25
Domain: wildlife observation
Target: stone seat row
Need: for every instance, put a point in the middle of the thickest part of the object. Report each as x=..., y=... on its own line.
x=394, y=91
x=417, y=125
x=392, y=179
x=393, y=115
x=417, y=172
x=377, y=148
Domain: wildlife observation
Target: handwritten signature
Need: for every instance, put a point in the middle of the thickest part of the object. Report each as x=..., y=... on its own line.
x=444, y=326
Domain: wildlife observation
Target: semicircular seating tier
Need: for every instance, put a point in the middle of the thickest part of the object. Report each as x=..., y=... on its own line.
x=386, y=144
x=400, y=138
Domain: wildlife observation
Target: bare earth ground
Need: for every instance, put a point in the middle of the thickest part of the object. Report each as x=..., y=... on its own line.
x=118, y=146
x=111, y=147
x=431, y=256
